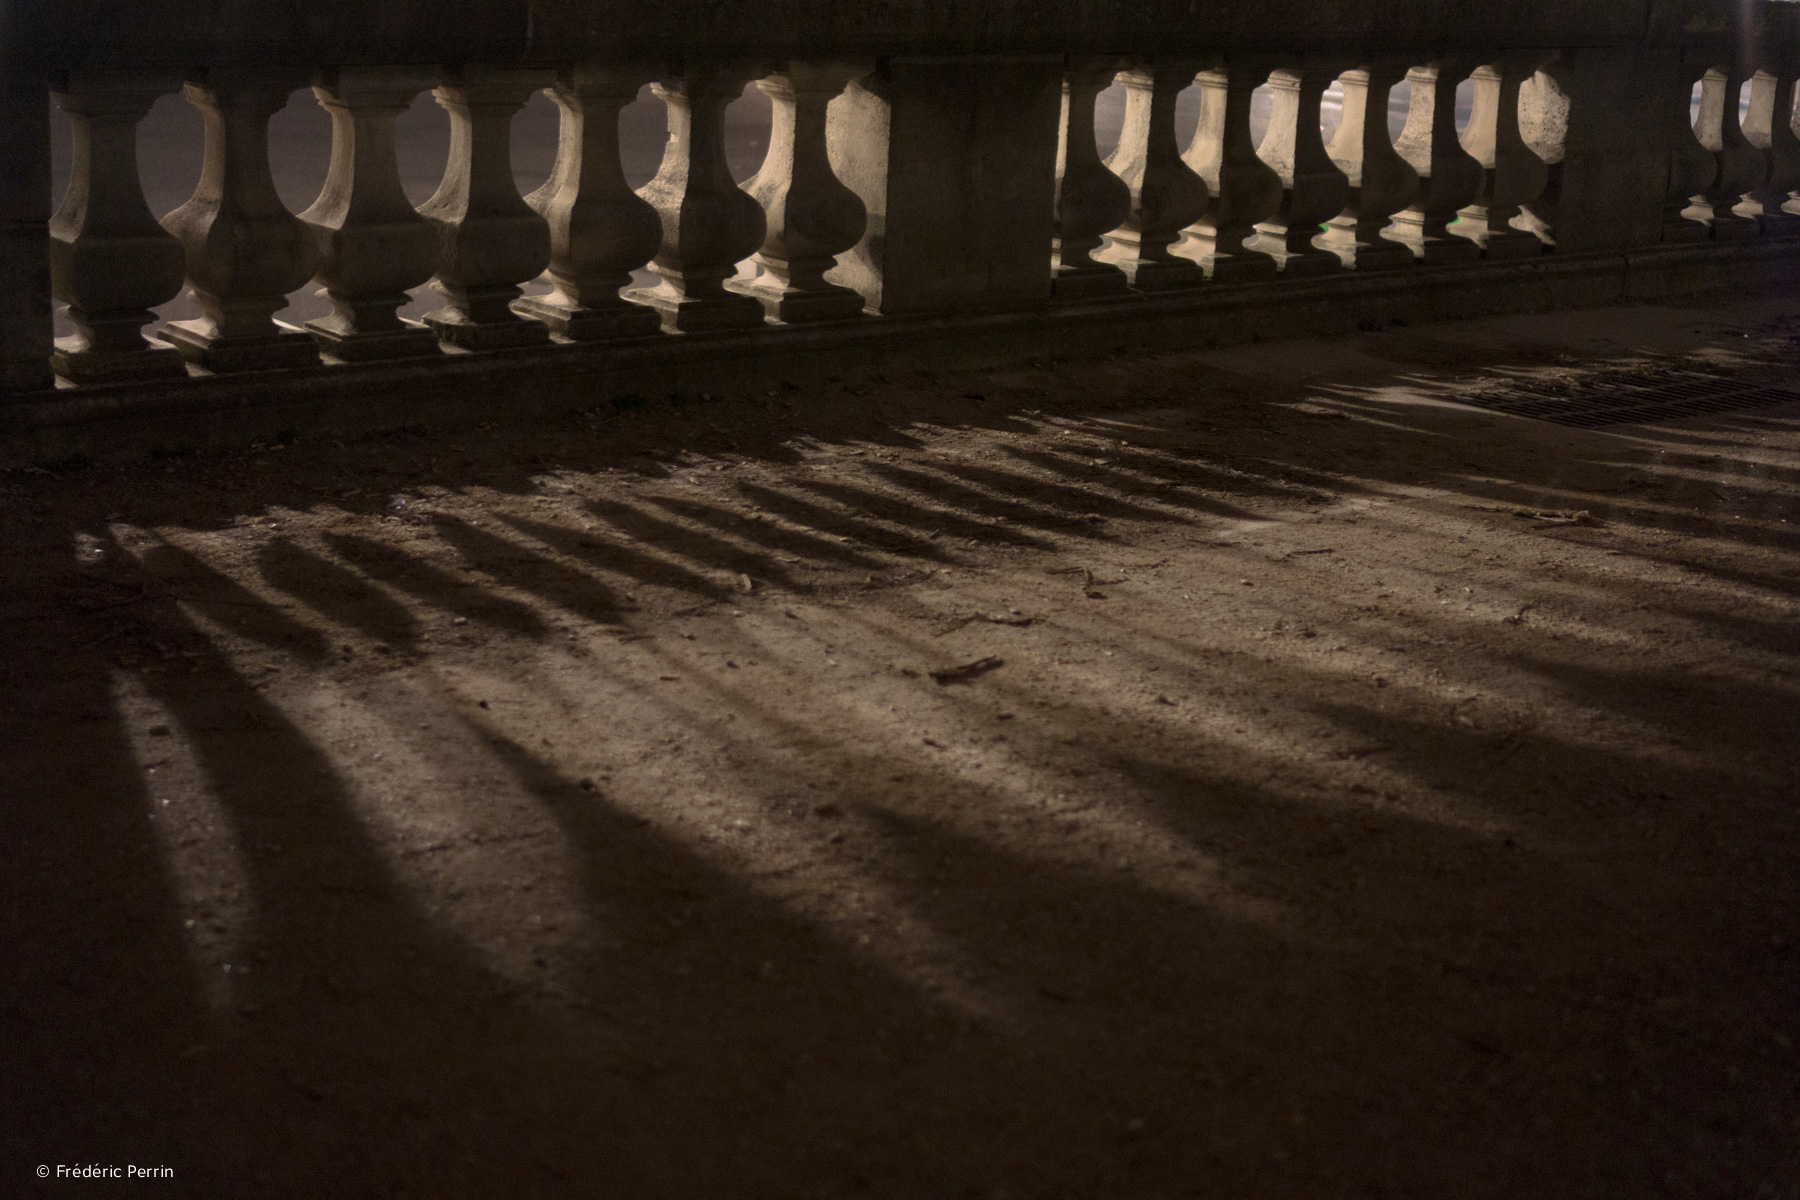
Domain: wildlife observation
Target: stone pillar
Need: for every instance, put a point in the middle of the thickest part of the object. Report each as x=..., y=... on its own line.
x=1314, y=190
x=26, y=327
x=1091, y=201
x=812, y=217
x=709, y=224
x=600, y=230
x=1166, y=195
x=1544, y=128
x=1514, y=175
x=245, y=250
x=372, y=245
x=1769, y=127
x=1741, y=166
x=110, y=262
x=489, y=240
x=1449, y=177
x=1692, y=168
x=1245, y=190
x=1381, y=182
x=1596, y=115
x=956, y=162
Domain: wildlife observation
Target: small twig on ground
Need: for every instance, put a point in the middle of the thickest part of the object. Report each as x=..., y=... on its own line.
x=967, y=671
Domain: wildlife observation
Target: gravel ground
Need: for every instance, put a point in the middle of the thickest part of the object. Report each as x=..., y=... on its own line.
x=1239, y=773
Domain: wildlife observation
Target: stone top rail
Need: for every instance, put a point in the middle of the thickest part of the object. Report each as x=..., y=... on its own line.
x=185, y=34
x=928, y=162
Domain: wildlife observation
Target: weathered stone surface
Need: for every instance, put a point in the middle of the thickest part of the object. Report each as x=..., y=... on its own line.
x=812, y=217
x=1244, y=189
x=373, y=246
x=1381, y=182
x=956, y=163
x=1090, y=200
x=1314, y=190
x=1166, y=195
x=709, y=224
x=1449, y=177
x=489, y=240
x=305, y=33
x=245, y=250
x=1769, y=126
x=600, y=230
x=1513, y=174
x=1741, y=166
x=110, y=261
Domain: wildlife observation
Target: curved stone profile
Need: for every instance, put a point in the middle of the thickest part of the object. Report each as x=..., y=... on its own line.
x=811, y=217
x=1314, y=189
x=489, y=240
x=1692, y=168
x=1381, y=182
x=372, y=246
x=110, y=261
x=600, y=230
x=1244, y=189
x=245, y=251
x=1166, y=195
x=1090, y=200
x=1449, y=176
x=1769, y=126
x=709, y=224
x=1513, y=174
x=1741, y=166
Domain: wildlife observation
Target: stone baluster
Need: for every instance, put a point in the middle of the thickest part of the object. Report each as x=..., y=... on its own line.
x=489, y=240
x=1314, y=189
x=600, y=230
x=1090, y=200
x=372, y=246
x=110, y=262
x=812, y=217
x=1244, y=189
x=1769, y=126
x=1381, y=182
x=1449, y=177
x=1166, y=195
x=245, y=251
x=1514, y=175
x=1692, y=168
x=1741, y=166
x=709, y=224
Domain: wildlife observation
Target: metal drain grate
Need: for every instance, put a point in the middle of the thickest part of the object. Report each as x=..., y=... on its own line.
x=1631, y=400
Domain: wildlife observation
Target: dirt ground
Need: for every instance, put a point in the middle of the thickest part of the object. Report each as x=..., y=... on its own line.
x=1324, y=790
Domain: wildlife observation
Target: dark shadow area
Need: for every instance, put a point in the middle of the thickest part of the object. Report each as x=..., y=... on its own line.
x=570, y=810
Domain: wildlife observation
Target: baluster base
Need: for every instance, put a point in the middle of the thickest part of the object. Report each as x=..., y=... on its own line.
x=1157, y=274
x=681, y=314
x=1733, y=228
x=1225, y=266
x=1429, y=245
x=581, y=323
x=75, y=362
x=413, y=342
x=1511, y=244
x=794, y=306
x=1082, y=283
x=283, y=350
x=1309, y=263
x=456, y=329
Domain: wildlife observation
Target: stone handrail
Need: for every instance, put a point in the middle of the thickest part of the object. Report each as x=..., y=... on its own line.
x=926, y=161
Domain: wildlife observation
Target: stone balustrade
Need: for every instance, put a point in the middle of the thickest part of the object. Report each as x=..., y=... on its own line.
x=904, y=180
